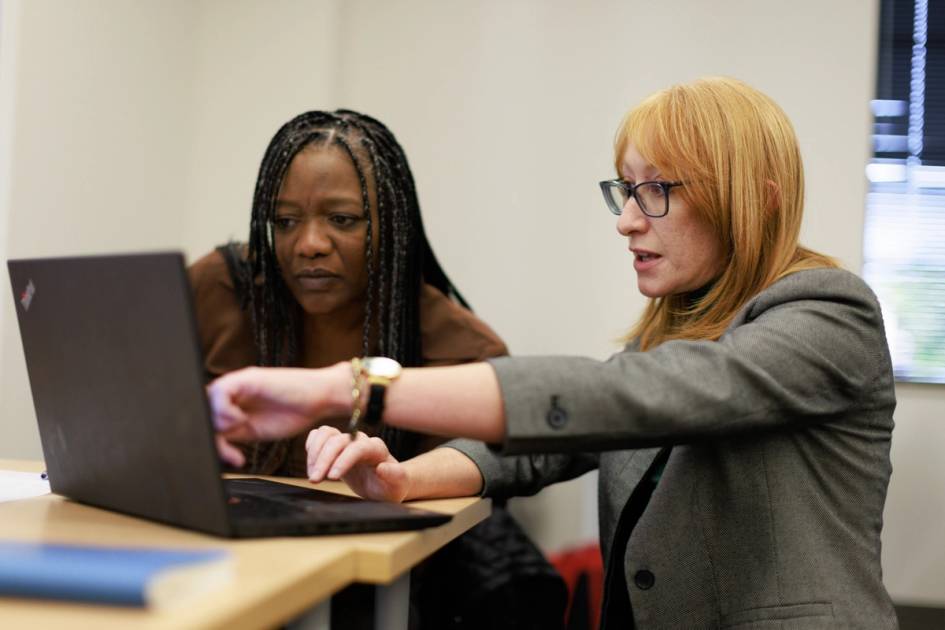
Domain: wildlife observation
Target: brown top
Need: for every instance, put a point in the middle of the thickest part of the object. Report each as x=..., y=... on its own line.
x=450, y=334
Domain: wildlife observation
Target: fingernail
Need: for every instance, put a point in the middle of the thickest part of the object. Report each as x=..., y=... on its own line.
x=333, y=473
x=316, y=473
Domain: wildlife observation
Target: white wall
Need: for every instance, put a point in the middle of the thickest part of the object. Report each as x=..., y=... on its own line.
x=97, y=146
x=507, y=110
x=913, y=553
x=253, y=69
x=9, y=32
x=139, y=125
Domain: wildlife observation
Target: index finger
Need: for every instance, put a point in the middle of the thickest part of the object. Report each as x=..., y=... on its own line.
x=368, y=451
x=226, y=414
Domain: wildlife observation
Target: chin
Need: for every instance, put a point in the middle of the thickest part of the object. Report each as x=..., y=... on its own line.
x=315, y=304
x=652, y=291
x=321, y=308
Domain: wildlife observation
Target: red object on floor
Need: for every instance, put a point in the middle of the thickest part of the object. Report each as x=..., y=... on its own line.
x=571, y=564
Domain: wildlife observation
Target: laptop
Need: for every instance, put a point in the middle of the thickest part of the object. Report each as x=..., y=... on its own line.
x=116, y=374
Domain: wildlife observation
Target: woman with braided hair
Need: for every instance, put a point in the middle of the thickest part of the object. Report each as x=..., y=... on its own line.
x=337, y=266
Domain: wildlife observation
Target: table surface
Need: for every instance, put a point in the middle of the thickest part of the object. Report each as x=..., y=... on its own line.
x=274, y=579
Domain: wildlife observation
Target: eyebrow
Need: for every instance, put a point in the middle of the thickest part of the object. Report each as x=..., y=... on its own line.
x=657, y=176
x=285, y=202
x=330, y=204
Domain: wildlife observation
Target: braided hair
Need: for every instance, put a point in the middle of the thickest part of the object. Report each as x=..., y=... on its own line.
x=402, y=261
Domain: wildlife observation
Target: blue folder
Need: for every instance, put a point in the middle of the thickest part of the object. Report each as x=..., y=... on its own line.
x=122, y=576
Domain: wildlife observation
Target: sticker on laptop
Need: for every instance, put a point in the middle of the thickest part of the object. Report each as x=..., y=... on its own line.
x=26, y=298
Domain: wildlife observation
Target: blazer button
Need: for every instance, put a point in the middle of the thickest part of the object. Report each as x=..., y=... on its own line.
x=644, y=579
x=556, y=416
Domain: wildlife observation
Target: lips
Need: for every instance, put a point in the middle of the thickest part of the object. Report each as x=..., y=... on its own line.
x=644, y=260
x=316, y=279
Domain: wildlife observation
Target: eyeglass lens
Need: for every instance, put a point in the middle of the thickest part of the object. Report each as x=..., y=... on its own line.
x=650, y=196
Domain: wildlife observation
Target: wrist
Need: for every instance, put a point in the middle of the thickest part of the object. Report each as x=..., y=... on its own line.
x=410, y=491
x=340, y=401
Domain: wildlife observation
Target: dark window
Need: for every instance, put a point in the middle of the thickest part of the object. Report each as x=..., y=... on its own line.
x=904, y=242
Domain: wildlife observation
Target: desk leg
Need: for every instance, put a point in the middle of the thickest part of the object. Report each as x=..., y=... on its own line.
x=318, y=618
x=366, y=607
x=392, y=604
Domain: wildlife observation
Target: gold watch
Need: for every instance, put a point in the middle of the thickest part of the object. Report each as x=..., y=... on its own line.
x=378, y=373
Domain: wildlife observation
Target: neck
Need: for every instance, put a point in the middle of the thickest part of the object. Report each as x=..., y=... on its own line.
x=328, y=339
x=694, y=296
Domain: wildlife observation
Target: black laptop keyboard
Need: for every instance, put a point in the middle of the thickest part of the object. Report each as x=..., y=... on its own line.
x=259, y=498
x=262, y=507
x=256, y=497
x=247, y=506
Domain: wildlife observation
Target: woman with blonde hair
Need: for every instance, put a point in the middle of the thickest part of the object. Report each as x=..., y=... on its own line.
x=742, y=435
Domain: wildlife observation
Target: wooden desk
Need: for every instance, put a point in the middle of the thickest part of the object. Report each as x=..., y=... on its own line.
x=275, y=580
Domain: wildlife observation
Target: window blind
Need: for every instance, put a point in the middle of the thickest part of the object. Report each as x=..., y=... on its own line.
x=904, y=240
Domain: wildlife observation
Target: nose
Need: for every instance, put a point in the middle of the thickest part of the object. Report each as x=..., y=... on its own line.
x=631, y=219
x=313, y=240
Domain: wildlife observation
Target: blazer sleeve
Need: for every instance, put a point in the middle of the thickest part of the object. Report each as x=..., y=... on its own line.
x=522, y=475
x=809, y=349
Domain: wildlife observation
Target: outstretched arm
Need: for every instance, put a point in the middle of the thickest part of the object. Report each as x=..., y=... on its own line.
x=456, y=401
x=273, y=403
x=267, y=403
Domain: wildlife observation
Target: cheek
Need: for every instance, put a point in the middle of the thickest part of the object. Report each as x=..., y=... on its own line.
x=707, y=259
x=283, y=248
x=694, y=250
x=352, y=249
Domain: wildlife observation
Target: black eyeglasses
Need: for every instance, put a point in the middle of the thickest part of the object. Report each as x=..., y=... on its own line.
x=652, y=197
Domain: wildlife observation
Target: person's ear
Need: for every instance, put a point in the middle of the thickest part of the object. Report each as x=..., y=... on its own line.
x=772, y=196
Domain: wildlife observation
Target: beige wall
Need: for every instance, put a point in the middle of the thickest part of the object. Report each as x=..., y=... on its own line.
x=253, y=69
x=140, y=125
x=97, y=140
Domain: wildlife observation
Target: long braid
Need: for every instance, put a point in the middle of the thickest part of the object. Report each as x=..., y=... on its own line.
x=368, y=249
x=403, y=257
x=385, y=287
x=274, y=313
x=405, y=268
x=393, y=336
x=387, y=334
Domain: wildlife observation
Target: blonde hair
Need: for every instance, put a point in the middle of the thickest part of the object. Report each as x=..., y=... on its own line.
x=737, y=153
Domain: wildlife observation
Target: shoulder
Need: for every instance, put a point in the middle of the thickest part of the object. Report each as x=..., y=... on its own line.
x=832, y=315
x=824, y=287
x=823, y=280
x=222, y=325
x=210, y=271
x=453, y=334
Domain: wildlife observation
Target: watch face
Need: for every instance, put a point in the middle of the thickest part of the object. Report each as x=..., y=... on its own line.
x=382, y=366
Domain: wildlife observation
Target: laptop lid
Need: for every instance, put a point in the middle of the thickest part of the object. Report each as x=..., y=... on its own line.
x=116, y=374
x=117, y=382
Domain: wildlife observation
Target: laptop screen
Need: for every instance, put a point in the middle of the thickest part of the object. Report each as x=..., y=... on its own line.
x=117, y=381
x=116, y=374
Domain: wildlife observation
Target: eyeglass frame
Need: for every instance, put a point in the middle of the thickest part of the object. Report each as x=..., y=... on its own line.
x=631, y=190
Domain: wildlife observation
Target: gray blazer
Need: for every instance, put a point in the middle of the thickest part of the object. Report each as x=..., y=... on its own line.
x=769, y=510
